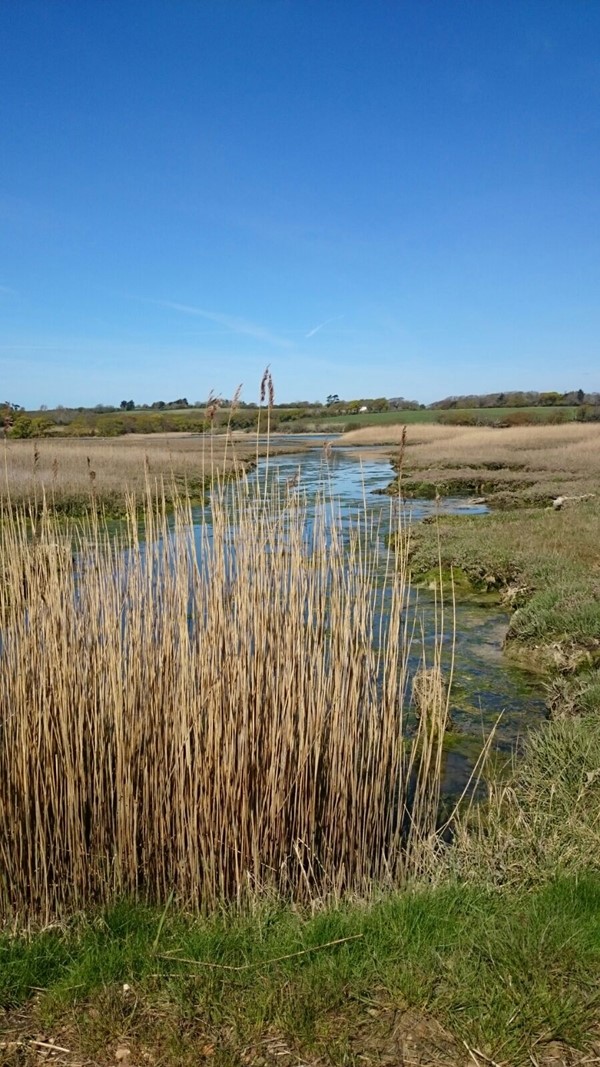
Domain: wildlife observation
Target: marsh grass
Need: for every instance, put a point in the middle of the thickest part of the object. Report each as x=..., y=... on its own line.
x=571, y=446
x=512, y=467
x=210, y=713
x=545, y=563
x=56, y=473
x=541, y=821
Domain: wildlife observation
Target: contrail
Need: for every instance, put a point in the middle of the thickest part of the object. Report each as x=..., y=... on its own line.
x=316, y=329
x=231, y=322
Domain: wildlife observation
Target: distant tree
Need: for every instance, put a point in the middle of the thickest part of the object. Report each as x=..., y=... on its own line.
x=580, y=396
x=22, y=427
x=588, y=413
x=516, y=400
x=6, y=417
x=127, y=405
x=333, y=398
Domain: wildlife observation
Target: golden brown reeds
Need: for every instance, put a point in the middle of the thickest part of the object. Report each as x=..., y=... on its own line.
x=209, y=712
x=571, y=448
x=61, y=466
x=537, y=463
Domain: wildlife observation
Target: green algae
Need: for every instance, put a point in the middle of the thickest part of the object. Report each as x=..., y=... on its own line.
x=455, y=582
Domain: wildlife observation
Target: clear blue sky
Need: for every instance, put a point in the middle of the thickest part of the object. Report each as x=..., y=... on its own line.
x=375, y=197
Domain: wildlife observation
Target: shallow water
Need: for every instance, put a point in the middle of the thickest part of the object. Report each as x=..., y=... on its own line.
x=487, y=690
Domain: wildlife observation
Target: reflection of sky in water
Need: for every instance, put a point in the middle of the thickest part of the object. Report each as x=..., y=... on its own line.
x=485, y=686
x=346, y=481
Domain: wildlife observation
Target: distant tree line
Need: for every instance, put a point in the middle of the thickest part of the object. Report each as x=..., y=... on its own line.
x=380, y=403
x=518, y=399
x=302, y=415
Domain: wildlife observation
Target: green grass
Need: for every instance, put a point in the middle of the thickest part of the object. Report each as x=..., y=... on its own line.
x=499, y=970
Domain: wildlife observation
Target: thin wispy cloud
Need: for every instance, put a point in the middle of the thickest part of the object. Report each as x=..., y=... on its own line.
x=231, y=322
x=311, y=333
x=7, y=291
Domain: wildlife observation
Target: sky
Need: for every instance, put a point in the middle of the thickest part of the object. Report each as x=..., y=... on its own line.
x=374, y=197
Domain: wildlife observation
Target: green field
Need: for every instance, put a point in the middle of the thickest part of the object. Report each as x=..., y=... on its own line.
x=428, y=415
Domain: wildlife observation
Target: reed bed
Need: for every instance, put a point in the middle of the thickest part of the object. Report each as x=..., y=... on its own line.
x=571, y=448
x=75, y=471
x=212, y=712
x=527, y=466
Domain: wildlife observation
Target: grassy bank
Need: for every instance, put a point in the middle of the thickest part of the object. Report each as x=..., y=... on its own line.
x=71, y=476
x=542, y=559
x=544, y=563
x=452, y=975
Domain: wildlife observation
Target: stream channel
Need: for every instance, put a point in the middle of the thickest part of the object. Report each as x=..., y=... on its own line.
x=487, y=690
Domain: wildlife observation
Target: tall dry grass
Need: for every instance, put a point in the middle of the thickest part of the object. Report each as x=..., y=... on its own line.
x=66, y=470
x=209, y=712
x=572, y=448
x=518, y=466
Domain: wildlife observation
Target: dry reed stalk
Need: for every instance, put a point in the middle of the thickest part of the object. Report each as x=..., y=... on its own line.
x=267, y=395
x=209, y=712
x=229, y=441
